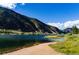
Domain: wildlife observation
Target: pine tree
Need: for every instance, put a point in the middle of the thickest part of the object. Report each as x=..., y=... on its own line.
x=75, y=30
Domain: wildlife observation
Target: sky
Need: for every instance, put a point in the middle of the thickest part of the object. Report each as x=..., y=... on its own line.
x=61, y=15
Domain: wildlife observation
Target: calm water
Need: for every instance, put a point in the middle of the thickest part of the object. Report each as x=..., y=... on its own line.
x=30, y=37
x=57, y=40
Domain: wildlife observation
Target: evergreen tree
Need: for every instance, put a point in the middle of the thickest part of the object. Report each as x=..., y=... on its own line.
x=75, y=30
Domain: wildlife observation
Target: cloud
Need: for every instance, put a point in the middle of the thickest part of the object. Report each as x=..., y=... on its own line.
x=67, y=24
x=10, y=5
x=71, y=23
x=59, y=25
x=23, y=3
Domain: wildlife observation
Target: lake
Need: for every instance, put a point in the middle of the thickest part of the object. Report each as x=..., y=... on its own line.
x=30, y=37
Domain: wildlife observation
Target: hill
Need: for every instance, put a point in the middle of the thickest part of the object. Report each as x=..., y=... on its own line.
x=12, y=20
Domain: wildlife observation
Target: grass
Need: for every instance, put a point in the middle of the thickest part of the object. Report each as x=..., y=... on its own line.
x=70, y=46
x=53, y=36
x=9, y=45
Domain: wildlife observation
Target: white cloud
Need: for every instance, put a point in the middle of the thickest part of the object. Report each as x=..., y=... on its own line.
x=71, y=23
x=59, y=25
x=23, y=3
x=10, y=5
x=67, y=24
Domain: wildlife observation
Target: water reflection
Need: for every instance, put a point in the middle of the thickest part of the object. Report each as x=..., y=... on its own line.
x=31, y=37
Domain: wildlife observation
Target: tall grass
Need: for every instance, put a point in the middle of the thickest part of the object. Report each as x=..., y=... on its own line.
x=70, y=46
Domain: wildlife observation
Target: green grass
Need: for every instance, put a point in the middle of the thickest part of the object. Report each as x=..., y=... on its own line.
x=9, y=45
x=70, y=46
x=53, y=36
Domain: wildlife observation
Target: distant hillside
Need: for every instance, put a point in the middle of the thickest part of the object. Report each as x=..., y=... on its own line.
x=11, y=20
x=68, y=30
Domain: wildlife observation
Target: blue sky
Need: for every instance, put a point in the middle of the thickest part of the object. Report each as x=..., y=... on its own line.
x=61, y=15
x=47, y=12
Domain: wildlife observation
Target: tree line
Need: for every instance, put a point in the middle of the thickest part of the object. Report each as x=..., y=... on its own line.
x=75, y=30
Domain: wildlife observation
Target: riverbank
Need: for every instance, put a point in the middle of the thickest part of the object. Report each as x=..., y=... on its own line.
x=54, y=36
x=9, y=45
x=41, y=49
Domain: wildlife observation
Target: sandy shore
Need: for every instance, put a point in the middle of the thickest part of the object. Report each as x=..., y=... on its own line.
x=41, y=49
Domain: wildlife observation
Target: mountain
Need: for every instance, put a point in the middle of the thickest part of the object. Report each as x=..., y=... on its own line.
x=68, y=30
x=12, y=20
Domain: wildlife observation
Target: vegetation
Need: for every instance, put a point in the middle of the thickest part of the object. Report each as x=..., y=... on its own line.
x=53, y=36
x=69, y=46
x=8, y=45
x=75, y=30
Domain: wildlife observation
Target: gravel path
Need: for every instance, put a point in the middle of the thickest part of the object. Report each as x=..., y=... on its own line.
x=41, y=49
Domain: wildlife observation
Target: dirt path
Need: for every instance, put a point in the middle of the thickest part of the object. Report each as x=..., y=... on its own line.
x=41, y=49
